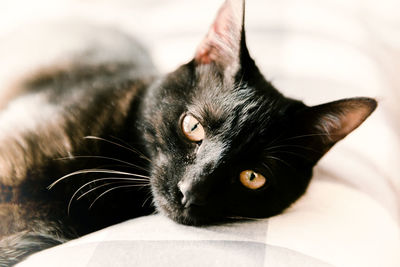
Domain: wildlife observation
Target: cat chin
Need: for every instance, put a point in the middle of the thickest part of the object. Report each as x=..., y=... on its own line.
x=193, y=216
x=186, y=219
x=179, y=215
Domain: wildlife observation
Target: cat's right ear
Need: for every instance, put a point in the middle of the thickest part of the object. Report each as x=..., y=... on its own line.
x=225, y=39
x=322, y=126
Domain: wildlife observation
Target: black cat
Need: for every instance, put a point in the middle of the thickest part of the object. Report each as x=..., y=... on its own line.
x=210, y=142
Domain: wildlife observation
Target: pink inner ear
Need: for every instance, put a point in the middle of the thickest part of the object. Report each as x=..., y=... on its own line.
x=353, y=120
x=223, y=39
x=339, y=125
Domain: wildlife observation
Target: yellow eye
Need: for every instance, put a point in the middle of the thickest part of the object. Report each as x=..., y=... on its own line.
x=251, y=179
x=192, y=129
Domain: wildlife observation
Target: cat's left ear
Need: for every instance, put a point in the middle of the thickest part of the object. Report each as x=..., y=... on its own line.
x=225, y=40
x=324, y=125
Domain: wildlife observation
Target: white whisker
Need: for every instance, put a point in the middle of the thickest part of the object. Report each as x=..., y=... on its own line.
x=149, y=197
x=96, y=171
x=103, y=157
x=117, y=144
x=122, y=141
x=102, y=185
x=278, y=159
x=154, y=212
x=109, y=190
x=122, y=179
x=290, y=145
x=290, y=153
x=305, y=135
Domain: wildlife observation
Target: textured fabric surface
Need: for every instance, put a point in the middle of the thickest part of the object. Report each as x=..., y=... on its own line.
x=332, y=225
x=313, y=50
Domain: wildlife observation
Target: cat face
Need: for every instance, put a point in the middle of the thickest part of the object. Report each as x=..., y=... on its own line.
x=225, y=143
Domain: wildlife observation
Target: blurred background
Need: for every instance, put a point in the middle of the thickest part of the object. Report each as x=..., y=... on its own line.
x=314, y=50
x=288, y=38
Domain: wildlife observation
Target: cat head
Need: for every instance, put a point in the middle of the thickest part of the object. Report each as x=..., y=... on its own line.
x=224, y=143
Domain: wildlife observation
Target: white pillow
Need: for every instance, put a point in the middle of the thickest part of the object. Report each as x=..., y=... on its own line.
x=332, y=225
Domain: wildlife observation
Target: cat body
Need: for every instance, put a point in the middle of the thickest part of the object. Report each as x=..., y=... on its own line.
x=43, y=138
x=210, y=142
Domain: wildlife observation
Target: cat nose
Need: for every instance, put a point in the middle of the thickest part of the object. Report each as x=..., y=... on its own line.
x=189, y=197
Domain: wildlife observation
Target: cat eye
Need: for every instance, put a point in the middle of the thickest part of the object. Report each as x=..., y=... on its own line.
x=192, y=129
x=251, y=179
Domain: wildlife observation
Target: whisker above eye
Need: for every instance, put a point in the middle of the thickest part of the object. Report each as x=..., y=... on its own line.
x=279, y=159
x=289, y=146
x=120, y=145
x=268, y=169
x=279, y=140
x=276, y=139
x=274, y=152
x=95, y=171
x=305, y=135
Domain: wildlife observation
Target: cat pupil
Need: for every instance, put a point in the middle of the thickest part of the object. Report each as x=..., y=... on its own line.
x=194, y=127
x=252, y=176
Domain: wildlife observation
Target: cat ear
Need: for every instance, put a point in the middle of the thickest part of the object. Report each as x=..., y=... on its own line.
x=223, y=42
x=324, y=125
